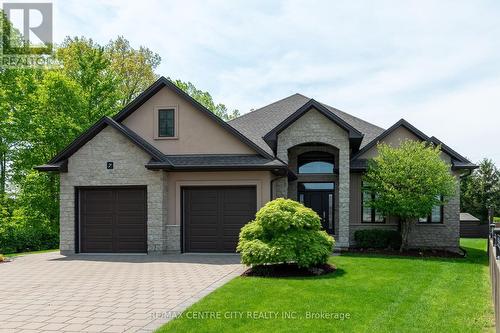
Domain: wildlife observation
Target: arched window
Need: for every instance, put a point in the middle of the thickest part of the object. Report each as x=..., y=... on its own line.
x=316, y=162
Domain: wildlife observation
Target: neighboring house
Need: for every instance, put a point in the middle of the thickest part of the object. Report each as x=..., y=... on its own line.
x=471, y=227
x=166, y=175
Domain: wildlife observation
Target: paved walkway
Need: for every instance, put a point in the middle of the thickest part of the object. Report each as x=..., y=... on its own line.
x=50, y=292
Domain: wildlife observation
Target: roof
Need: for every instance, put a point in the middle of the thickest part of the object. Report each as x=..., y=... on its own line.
x=271, y=137
x=468, y=217
x=256, y=124
x=400, y=123
x=164, y=82
x=217, y=162
x=257, y=129
x=59, y=162
x=457, y=160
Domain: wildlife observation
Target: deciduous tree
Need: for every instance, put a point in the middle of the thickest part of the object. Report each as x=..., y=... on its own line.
x=408, y=181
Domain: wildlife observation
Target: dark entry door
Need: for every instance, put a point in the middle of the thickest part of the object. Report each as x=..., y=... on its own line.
x=320, y=198
x=113, y=220
x=213, y=216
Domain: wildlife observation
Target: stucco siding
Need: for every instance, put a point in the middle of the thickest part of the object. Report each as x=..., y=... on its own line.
x=196, y=132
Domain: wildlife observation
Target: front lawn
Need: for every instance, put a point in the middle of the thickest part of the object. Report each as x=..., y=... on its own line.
x=377, y=293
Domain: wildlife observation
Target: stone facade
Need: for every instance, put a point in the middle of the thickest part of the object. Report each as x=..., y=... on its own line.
x=313, y=127
x=87, y=167
x=172, y=238
x=444, y=235
x=311, y=132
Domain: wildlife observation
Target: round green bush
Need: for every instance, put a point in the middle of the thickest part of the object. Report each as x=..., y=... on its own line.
x=285, y=231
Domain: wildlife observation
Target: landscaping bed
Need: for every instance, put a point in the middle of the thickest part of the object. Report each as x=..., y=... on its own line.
x=288, y=270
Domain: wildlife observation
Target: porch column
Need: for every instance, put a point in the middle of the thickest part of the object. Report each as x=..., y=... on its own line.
x=343, y=184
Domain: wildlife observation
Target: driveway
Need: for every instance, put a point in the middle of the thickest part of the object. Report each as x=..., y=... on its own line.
x=104, y=293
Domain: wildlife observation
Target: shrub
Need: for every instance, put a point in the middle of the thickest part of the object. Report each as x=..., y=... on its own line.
x=21, y=235
x=2, y=258
x=377, y=239
x=284, y=231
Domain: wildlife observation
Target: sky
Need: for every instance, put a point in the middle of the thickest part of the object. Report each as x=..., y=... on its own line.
x=433, y=63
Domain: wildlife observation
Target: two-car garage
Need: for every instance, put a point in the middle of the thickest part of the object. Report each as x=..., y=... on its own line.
x=114, y=219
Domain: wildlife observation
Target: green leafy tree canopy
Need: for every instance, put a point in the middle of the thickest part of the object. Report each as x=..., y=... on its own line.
x=481, y=190
x=408, y=181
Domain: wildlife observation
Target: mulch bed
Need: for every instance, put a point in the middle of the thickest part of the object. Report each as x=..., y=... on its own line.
x=288, y=270
x=411, y=253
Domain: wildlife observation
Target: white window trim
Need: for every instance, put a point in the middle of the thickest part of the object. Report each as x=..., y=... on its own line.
x=176, y=122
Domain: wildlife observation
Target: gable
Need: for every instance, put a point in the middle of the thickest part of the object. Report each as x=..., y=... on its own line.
x=313, y=126
x=196, y=132
x=108, y=145
x=354, y=135
x=394, y=139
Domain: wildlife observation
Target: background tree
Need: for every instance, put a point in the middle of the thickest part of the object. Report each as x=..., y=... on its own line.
x=205, y=99
x=134, y=68
x=481, y=190
x=408, y=182
x=43, y=110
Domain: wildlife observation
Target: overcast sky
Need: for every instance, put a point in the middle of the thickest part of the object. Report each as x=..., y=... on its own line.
x=434, y=63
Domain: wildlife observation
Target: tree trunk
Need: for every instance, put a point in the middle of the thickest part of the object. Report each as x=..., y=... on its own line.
x=405, y=226
x=3, y=172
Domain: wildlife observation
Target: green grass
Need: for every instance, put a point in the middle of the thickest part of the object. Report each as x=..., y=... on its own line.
x=11, y=255
x=380, y=293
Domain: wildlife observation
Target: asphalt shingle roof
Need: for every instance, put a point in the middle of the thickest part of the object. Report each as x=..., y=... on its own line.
x=255, y=124
x=221, y=160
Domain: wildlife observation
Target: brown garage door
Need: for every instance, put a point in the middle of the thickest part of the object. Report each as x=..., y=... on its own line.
x=213, y=217
x=113, y=220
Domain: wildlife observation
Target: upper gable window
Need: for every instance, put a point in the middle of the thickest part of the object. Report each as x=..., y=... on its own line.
x=316, y=163
x=166, y=123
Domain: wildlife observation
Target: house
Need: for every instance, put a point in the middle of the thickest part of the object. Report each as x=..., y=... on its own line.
x=471, y=227
x=167, y=175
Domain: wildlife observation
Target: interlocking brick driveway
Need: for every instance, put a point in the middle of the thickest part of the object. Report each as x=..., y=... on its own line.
x=49, y=292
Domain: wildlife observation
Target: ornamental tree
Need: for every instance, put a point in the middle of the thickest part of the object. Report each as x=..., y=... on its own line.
x=408, y=181
x=285, y=231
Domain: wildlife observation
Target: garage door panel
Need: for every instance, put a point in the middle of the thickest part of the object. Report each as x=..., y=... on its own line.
x=113, y=220
x=213, y=217
x=128, y=246
x=132, y=232
x=99, y=247
x=206, y=245
x=96, y=220
x=201, y=220
x=203, y=232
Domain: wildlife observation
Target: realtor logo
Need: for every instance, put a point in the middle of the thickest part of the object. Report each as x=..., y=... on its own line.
x=30, y=31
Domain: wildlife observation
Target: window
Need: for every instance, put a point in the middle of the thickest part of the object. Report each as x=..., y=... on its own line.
x=316, y=186
x=166, y=123
x=436, y=215
x=316, y=163
x=370, y=214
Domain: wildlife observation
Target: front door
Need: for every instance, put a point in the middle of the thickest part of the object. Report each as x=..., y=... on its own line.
x=319, y=197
